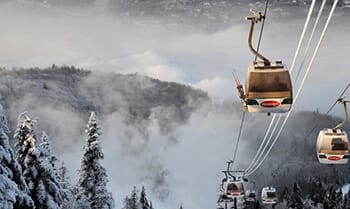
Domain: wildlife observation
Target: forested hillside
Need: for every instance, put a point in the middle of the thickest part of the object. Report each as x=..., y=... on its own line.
x=136, y=97
x=60, y=98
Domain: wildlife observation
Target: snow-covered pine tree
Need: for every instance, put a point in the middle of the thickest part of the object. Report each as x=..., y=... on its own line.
x=126, y=203
x=285, y=195
x=319, y=192
x=325, y=203
x=332, y=198
x=284, y=198
x=143, y=199
x=13, y=189
x=46, y=151
x=346, y=202
x=329, y=199
x=38, y=173
x=82, y=202
x=92, y=185
x=296, y=201
x=339, y=199
x=68, y=200
x=134, y=204
x=46, y=154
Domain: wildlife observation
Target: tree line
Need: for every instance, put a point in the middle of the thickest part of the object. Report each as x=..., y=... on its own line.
x=32, y=176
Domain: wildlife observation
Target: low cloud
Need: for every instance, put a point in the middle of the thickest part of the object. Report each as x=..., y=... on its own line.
x=218, y=87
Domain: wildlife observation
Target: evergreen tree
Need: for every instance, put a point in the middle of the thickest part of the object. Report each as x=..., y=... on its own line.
x=68, y=200
x=134, y=202
x=325, y=203
x=319, y=192
x=295, y=199
x=82, y=202
x=134, y=199
x=126, y=203
x=46, y=151
x=92, y=185
x=143, y=199
x=332, y=201
x=38, y=173
x=339, y=199
x=46, y=154
x=181, y=207
x=285, y=195
x=13, y=189
x=346, y=203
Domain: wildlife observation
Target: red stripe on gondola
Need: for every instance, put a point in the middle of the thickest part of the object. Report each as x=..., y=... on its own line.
x=334, y=158
x=270, y=103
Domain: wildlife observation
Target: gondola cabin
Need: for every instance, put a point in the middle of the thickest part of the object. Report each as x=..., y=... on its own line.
x=333, y=146
x=268, y=195
x=234, y=188
x=224, y=199
x=250, y=196
x=268, y=88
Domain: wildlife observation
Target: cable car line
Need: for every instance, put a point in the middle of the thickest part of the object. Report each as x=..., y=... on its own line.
x=340, y=96
x=262, y=28
x=310, y=39
x=232, y=185
x=329, y=110
x=306, y=25
x=231, y=178
x=291, y=69
x=294, y=59
x=317, y=47
x=231, y=182
x=314, y=128
x=239, y=85
x=261, y=153
x=300, y=87
x=238, y=138
x=253, y=162
x=259, y=161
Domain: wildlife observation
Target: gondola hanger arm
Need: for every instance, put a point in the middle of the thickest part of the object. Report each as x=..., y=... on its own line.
x=344, y=102
x=257, y=16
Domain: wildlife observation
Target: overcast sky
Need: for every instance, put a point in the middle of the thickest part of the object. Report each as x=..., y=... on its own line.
x=38, y=36
x=42, y=36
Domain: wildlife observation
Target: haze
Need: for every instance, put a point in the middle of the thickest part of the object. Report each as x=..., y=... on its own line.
x=36, y=35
